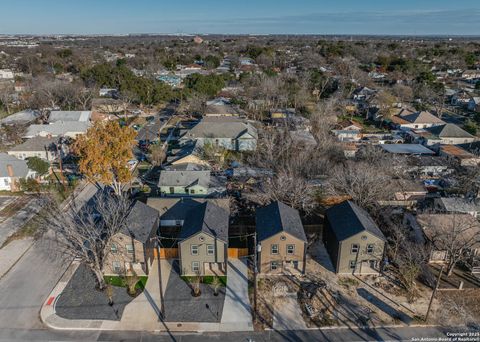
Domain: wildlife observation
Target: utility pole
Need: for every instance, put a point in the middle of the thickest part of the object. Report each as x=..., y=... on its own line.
x=255, y=277
x=433, y=293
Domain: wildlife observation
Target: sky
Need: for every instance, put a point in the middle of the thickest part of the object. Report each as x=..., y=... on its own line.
x=372, y=17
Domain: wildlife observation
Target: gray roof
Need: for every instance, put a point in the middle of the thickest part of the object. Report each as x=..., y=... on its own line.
x=57, y=128
x=348, y=219
x=177, y=208
x=140, y=221
x=449, y=131
x=69, y=115
x=208, y=218
x=35, y=144
x=221, y=127
x=459, y=205
x=184, y=178
x=20, y=168
x=406, y=149
x=278, y=217
x=25, y=116
x=221, y=110
x=422, y=117
x=187, y=167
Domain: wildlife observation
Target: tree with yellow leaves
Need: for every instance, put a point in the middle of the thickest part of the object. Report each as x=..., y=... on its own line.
x=104, y=152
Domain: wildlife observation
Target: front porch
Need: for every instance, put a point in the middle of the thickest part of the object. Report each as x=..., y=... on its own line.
x=214, y=268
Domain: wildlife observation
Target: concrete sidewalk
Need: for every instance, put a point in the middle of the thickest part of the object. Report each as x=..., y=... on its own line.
x=11, y=253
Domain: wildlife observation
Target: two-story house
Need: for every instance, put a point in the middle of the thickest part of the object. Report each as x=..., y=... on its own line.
x=203, y=245
x=353, y=240
x=133, y=246
x=281, y=240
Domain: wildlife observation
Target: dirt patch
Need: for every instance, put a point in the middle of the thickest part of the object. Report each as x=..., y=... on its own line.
x=458, y=308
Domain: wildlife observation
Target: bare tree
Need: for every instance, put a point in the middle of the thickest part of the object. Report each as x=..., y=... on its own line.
x=86, y=232
x=410, y=260
x=454, y=235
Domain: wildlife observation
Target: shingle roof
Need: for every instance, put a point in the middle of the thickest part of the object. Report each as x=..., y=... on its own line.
x=140, y=221
x=35, y=144
x=57, y=128
x=348, y=219
x=69, y=115
x=184, y=178
x=21, y=117
x=221, y=127
x=406, y=149
x=278, y=217
x=460, y=205
x=20, y=168
x=449, y=131
x=422, y=117
x=208, y=218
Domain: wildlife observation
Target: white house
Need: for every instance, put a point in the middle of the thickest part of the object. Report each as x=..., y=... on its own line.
x=417, y=120
x=59, y=128
x=448, y=134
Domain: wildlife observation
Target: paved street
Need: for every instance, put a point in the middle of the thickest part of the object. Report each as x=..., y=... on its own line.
x=340, y=335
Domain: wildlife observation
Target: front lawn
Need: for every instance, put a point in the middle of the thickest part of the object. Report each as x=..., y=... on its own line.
x=120, y=281
x=207, y=279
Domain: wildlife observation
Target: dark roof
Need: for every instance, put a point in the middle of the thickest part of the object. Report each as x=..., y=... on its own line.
x=278, y=217
x=140, y=221
x=348, y=219
x=449, y=131
x=208, y=218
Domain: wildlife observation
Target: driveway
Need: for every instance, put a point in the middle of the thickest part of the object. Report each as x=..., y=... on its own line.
x=237, y=310
x=288, y=315
x=181, y=306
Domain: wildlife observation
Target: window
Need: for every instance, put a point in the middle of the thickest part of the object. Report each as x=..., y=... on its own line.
x=274, y=249
x=117, y=267
x=290, y=249
x=355, y=248
x=192, y=191
x=113, y=248
x=129, y=249
x=210, y=249
x=195, y=266
x=370, y=249
x=273, y=265
x=178, y=222
x=194, y=249
x=372, y=264
x=283, y=237
x=352, y=264
x=172, y=190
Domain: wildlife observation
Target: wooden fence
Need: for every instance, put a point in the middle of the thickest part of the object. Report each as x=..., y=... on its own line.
x=237, y=252
x=167, y=253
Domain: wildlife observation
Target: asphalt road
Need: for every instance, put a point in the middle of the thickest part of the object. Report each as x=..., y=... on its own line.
x=340, y=335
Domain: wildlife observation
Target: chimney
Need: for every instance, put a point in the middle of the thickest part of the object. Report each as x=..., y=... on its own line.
x=10, y=171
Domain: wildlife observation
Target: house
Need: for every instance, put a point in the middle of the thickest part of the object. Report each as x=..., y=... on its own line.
x=451, y=205
x=348, y=130
x=58, y=129
x=46, y=148
x=21, y=118
x=189, y=180
x=461, y=98
x=415, y=149
x=281, y=240
x=448, y=134
x=427, y=166
x=188, y=153
x=69, y=115
x=282, y=114
x=216, y=110
x=226, y=132
x=203, y=240
x=133, y=246
x=439, y=229
x=405, y=193
x=471, y=75
x=6, y=74
x=11, y=171
x=422, y=119
x=108, y=92
x=363, y=94
x=353, y=240
x=474, y=104
x=459, y=155
x=174, y=210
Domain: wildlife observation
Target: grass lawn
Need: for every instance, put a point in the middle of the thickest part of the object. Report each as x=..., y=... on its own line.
x=207, y=279
x=120, y=281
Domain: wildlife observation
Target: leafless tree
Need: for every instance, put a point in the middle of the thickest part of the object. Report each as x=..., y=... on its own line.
x=157, y=155
x=85, y=232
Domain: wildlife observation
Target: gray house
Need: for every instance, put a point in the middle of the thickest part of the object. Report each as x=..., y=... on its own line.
x=227, y=132
x=41, y=147
x=353, y=240
x=203, y=246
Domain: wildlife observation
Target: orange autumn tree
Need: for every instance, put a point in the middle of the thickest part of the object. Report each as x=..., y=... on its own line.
x=104, y=152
